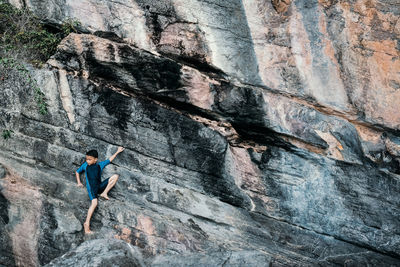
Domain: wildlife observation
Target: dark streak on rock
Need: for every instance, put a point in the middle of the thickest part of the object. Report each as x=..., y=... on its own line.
x=116, y=105
x=6, y=251
x=109, y=36
x=48, y=247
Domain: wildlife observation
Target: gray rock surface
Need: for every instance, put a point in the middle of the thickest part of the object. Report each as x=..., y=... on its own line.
x=254, y=136
x=101, y=252
x=232, y=258
x=2, y=172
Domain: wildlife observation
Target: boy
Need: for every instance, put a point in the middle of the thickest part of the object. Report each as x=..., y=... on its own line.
x=94, y=185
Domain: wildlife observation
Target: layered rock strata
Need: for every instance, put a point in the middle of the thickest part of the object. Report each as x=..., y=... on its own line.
x=256, y=133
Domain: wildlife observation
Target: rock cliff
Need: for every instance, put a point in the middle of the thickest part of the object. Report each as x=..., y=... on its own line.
x=258, y=133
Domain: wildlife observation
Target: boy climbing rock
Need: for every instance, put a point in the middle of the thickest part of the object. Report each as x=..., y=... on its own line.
x=94, y=185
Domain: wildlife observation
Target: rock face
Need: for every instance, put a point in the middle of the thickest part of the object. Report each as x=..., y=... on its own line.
x=101, y=252
x=259, y=133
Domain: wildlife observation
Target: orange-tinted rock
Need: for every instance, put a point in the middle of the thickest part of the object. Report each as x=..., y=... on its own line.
x=25, y=214
x=281, y=6
x=343, y=55
x=185, y=41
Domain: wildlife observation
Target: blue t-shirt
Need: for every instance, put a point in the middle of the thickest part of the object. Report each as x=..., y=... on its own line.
x=93, y=175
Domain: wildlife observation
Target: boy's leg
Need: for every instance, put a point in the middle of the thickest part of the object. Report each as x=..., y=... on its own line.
x=111, y=182
x=86, y=225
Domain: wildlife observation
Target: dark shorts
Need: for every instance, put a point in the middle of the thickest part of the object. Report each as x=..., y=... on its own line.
x=93, y=191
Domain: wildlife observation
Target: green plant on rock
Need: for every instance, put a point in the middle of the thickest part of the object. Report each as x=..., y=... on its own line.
x=68, y=26
x=21, y=32
x=7, y=133
x=11, y=63
x=23, y=37
x=39, y=97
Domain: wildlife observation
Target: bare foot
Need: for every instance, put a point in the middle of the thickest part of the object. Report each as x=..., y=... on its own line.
x=104, y=196
x=87, y=229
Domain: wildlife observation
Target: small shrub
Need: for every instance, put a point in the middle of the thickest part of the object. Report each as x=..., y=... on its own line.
x=69, y=26
x=7, y=133
x=11, y=63
x=23, y=37
x=22, y=33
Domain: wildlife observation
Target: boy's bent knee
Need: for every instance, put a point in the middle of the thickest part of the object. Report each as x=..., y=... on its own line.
x=94, y=202
x=115, y=177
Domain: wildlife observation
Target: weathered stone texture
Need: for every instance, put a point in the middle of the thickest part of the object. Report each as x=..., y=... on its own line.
x=257, y=133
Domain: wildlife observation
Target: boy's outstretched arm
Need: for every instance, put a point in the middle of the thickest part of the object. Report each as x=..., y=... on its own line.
x=78, y=180
x=120, y=149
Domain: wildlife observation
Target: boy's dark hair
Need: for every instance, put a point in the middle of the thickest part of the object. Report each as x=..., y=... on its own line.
x=93, y=153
